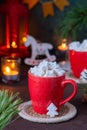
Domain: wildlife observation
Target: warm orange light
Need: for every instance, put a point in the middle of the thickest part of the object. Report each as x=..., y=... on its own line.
x=14, y=45
x=7, y=69
x=8, y=46
x=63, y=46
x=24, y=39
x=13, y=65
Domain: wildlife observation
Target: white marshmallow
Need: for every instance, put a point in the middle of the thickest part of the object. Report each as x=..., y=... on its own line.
x=77, y=46
x=74, y=45
x=47, y=69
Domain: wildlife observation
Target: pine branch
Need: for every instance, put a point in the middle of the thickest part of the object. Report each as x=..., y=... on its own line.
x=73, y=23
x=8, y=106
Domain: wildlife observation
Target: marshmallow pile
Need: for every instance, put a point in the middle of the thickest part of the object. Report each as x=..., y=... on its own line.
x=47, y=69
x=77, y=46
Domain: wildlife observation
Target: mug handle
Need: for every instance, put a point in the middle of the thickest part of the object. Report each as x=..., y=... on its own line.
x=63, y=85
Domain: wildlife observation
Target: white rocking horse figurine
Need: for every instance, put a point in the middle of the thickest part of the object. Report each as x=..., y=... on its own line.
x=38, y=49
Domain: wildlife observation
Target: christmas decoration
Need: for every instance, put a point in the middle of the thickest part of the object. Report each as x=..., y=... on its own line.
x=74, y=23
x=61, y=4
x=48, y=5
x=52, y=110
x=14, y=10
x=48, y=9
x=31, y=3
x=83, y=75
x=38, y=49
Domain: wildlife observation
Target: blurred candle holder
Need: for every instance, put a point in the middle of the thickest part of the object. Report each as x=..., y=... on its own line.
x=10, y=68
x=62, y=49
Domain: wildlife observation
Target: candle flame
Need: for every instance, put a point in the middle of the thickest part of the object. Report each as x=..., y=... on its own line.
x=13, y=65
x=63, y=46
x=14, y=45
x=7, y=69
x=24, y=39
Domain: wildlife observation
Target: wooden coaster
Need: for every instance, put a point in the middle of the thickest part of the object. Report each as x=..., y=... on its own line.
x=67, y=112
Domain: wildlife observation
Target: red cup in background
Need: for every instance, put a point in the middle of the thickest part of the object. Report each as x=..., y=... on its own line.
x=46, y=90
x=78, y=62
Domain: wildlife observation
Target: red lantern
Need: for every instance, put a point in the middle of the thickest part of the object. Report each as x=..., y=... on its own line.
x=14, y=10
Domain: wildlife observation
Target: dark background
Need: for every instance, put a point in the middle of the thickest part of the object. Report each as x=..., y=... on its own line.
x=40, y=27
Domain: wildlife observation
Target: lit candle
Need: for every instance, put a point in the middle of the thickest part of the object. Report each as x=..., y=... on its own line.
x=63, y=46
x=14, y=45
x=24, y=39
x=10, y=69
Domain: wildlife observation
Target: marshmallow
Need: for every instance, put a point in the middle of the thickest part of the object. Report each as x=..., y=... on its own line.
x=47, y=69
x=74, y=45
x=77, y=46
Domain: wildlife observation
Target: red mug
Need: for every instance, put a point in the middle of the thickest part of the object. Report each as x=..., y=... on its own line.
x=46, y=90
x=78, y=62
